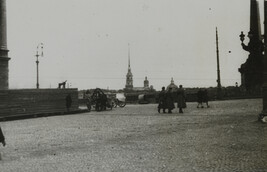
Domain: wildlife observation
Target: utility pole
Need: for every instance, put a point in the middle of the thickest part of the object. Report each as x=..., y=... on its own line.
x=219, y=86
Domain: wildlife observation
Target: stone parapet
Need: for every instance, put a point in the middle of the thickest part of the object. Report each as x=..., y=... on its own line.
x=4, y=72
x=22, y=102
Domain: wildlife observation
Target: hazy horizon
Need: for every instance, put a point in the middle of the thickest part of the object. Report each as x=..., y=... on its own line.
x=86, y=42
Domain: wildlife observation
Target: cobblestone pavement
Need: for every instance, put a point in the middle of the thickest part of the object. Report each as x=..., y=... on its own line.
x=225, y=137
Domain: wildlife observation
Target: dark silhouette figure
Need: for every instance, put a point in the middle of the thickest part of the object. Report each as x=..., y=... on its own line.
x=162, y=100
x=206, y=97
x=181, y=103
x=169, y=101
x=2, y=138
x=104, y=100
x=200, y=98
x=98, y=101
x=68, y=102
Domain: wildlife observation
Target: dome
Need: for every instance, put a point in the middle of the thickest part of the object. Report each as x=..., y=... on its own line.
x=172, y=86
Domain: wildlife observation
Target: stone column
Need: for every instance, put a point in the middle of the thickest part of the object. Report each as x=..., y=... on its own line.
x=265, y=61
x=263, y=115
x=3, y=47
x=252, y=70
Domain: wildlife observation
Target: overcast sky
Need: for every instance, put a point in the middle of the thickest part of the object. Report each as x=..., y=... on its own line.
x=86, y=42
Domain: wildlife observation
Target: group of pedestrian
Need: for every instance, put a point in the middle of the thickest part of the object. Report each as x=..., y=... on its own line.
x=202, y=97
x=166, y=99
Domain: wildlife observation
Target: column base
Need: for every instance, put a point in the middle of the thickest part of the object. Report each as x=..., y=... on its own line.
x=262, y=117
x=4, y=72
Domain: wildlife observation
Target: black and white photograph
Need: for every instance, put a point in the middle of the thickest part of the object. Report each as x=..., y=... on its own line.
x=133, y=86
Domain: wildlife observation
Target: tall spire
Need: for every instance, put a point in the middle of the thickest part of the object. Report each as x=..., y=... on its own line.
x=129, y=64
x=129, y=76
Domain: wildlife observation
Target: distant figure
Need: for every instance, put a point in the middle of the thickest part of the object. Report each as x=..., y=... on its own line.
x=169, y=101
x=63, y=84
x=206, y=97
x=2, y=138
x=68, y=102
x=98, y=102
x=181, y=99
x=162, y=100
x=104, y=100
x=200, y=98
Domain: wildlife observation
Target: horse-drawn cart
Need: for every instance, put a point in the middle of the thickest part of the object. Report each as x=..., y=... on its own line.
x=99, y=100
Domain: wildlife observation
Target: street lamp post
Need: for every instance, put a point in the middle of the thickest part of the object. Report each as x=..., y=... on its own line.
x=38, y=53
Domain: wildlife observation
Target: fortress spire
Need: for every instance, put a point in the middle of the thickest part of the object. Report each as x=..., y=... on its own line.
x=129, y=63
x=129, y=76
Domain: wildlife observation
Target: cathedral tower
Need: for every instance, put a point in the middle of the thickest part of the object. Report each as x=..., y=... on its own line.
x=129, y=76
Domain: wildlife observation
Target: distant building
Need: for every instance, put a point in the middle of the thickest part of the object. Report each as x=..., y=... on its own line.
x=146, y=83
x=145, y=88
x=129, y=80
x=129, y=77
x=172, y=86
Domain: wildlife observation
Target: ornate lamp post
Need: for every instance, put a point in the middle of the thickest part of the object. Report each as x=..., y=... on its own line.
x=38, y=53
x=242, y=37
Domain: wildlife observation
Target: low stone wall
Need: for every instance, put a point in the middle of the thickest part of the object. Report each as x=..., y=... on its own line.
x=19, y=102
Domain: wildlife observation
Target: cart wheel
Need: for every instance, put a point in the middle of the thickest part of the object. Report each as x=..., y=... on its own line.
x=122, y=104
x=113, y=104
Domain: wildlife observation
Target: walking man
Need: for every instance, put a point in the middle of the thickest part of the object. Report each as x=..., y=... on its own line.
x=162, y=100
x=169, y=101
x=199, y=98
x=206, y=97
x=181, y=99
x=68, y=102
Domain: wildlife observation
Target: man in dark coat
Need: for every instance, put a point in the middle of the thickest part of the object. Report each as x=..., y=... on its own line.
x=169, y=101
x=199, y=98
x=206, y=97
x=68, y=102
x=181, y=99
x=2, y=138
x=162, y=100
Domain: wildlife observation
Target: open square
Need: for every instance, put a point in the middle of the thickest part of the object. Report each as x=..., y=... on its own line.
x=225, y=137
